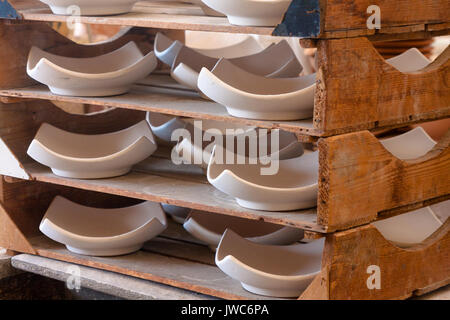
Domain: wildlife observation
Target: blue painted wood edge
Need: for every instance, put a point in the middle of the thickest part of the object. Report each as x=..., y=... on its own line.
x=302, y=20
x=7, y=11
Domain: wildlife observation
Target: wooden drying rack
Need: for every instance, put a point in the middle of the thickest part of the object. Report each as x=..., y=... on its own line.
x=359, y=181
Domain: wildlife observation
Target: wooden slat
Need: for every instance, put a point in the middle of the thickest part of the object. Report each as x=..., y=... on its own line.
x=182, y=192
x=403, y=272
x=173, y=102
x=175, y=272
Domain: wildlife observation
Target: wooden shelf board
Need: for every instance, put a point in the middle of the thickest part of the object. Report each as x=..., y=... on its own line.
x=159, y=180
x=181, y=273
x=149, y=17
x=164, y=100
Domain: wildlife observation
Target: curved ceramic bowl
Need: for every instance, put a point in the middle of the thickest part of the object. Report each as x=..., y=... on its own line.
x=410, y=228
x=102, y=232
x=267, y=13
x=166, y=49
x=288, y=146
x=178, y=214
x=276, y=271
x=410, y=145
x=163, y=125
x=92, y=156
x=245, y=47
x=206, y=10
x=247, y=95
x=409, y=61
x=276, y=61
x=293, y=187
x=91, y=8
x=106, y=75
x=209, y=228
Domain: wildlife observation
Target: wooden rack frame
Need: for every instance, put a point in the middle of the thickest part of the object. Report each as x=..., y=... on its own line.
x=359, y=180
x=326, y=19
x=355, y=170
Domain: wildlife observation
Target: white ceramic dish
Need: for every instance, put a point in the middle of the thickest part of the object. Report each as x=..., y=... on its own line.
x=409, y=61
x=289, y=147
x=245, y=47
x=178, y=214
x=163, y=125
x=410, y=228
x=293, y=187
x=247, y=95
x=91, y=8
x=102, y=232
x=106, y=75
x=92, y=156
x=410, y=145
x=276, y=61
x=209, y=228
x=276, y=271
x=266, y=13
x=206, y=10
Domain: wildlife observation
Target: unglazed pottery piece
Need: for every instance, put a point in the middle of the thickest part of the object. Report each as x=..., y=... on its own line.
x=206, y=10
x=163, y=125
x=89, y=7
x=178, y=214
x=266, y=13
x=209, y=228
x=166, y=49
x=276, y=271
x=410, y=228
x=106, y=75
x=293, y=185
x=189, y=151
x=276, y=61
x=245, y=47
x=102, y=232
x=410, y=145
x=247, y=95
x=81, y=156
x=409, y=61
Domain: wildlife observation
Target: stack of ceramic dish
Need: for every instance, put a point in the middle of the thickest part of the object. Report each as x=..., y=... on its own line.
x=92, y=156
x=89, y=7
x=267, y=13
x=277, y=271
x=102, y=232
x=206, y=10
x=178, y=214
x=209, y=228
x=276, y=61
x=110, y=74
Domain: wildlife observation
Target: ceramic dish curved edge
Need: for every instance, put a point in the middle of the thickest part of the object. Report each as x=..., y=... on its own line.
x=61, y=76
x=91, y=8
x=139, y=144
x=294, y=105
x=150, y=222
x=250, y=262
x=283, y=236
x=163, y=126
x=206, y=10
x=409, y=61
x=259, y=197
x=245, y=47
x=166, y=49
x=251, y=12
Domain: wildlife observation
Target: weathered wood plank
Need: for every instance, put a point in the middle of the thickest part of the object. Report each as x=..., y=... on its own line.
x=402, y=272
